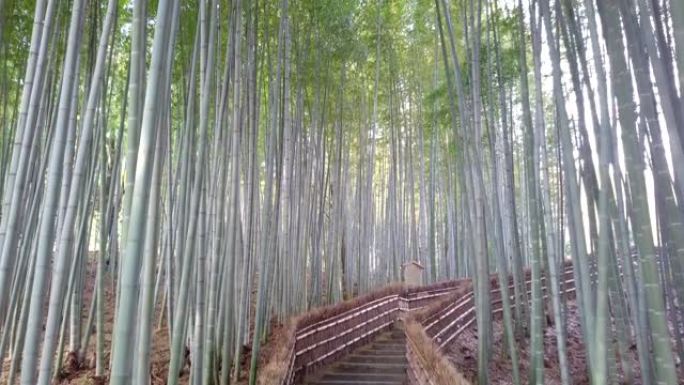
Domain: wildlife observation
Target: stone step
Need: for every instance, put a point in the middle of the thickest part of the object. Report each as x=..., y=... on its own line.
x=389, y=345
x=359, y=382
x=380, y=362
x=392, y=341
x=398, y=334
x=370, y=367
x=381, y=352
x=352, y=377
x=377, y=358
x=369, y=350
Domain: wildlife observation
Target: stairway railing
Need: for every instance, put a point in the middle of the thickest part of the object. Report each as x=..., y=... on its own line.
x=429, y=331
x=320, y=337
x=426, y=364
x=448, y=322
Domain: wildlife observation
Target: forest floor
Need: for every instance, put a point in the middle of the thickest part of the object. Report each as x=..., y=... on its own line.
x=463, y=354
x=83, y=373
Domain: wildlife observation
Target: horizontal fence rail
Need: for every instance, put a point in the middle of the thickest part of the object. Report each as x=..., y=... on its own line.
x=417, y=371
x=324, y=341
x=447, y=324
x=444, y=323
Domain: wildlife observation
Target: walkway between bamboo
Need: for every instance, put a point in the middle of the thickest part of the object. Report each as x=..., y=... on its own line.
x=380, y=362
x=379, y=339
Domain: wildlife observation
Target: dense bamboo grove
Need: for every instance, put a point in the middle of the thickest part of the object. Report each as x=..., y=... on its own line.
x=203, y=169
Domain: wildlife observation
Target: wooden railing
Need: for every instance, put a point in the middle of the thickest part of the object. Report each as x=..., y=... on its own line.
x=447, y=323
x=426, y=364
x=351, y=324
x=324, y=341
x=442, y=323
x=418, y=371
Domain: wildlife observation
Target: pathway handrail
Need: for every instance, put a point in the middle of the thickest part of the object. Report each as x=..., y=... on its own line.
x=442, y=322
x=321, y=336
x=426, y=364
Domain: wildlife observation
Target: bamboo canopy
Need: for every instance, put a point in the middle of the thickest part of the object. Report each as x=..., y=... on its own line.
x=179, y=180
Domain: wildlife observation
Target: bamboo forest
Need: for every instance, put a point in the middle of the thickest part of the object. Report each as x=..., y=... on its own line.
x=360, y=192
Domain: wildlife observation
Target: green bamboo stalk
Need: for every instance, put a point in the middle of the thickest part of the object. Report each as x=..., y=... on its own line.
x=121, y=363
x=57, y=286
x=14, y=184
x=189, y=248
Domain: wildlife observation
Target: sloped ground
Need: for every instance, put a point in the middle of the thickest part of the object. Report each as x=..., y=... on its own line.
x=83, y=373
x=463, y=354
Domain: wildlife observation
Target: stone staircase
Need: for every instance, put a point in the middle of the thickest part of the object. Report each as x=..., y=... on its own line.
x=381, y=362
